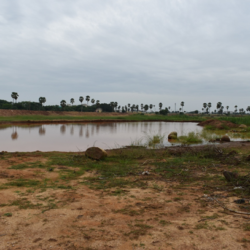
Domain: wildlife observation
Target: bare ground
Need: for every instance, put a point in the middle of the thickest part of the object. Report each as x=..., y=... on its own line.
x=162, y=214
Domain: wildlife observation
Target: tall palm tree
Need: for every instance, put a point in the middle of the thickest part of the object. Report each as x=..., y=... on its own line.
x=219, y=104
x=14, y=96
x=63, y=103
x=116, y=105
x=235, y=108
x=42, y=100
x=137, y=107
x=204, y=105
x=160, y=106
x=145, y=107
x=97, y=103
x=112, y=104
x=72, y=100
x=87, y=99
x=227, y=108
x=151, y=106
x=92, y=101
x=142, y=106
x=209, y=106
x=169, y=108
x=81, y=100
x=182, y=104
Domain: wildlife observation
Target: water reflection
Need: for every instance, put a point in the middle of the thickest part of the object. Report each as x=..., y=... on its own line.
x=42, y=131
x=63, y=129
x=71, y=137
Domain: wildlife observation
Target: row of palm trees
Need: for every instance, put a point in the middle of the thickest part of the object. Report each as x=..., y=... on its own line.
x=144, y=107
x=207, y=106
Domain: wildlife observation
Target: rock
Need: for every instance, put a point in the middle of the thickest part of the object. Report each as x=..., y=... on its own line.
x=230, y=176
x=172, y=135
x=243, y=126
x=248, y=158
x=96, y=153
x=225, y=138
x=240, y=201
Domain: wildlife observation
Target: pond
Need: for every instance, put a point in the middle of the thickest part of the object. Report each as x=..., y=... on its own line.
x=78, y=137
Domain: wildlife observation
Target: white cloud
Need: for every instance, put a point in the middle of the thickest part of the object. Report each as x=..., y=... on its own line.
x=190, y=50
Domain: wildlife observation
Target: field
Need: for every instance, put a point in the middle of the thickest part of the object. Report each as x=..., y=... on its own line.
x=137, y=198
x=67, y=201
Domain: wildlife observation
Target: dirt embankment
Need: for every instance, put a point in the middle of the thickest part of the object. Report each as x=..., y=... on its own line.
x=217, y=124
x=7, y=113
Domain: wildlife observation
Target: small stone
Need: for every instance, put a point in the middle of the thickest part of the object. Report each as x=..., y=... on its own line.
x=96, y=153
x=240, y=201
x=230, y=176
x=172, y=135
x=225, y=138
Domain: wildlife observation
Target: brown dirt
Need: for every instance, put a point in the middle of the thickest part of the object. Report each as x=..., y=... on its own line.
x=6, y=113
x=218, y=124
x=170, y=217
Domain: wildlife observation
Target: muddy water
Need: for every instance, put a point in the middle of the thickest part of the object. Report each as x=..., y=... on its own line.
x=78, y=137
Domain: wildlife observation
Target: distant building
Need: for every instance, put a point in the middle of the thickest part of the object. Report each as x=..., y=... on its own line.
x=99, y=110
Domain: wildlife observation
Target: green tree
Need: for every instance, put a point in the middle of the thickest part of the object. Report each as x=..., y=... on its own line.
x=160, y=106
x=209, y=105
x=145, y=108
x=182, y=104
x=81, y=100
x=63, y=103
x=72, y=100
x=92, y=101
x=42, y=100
x=87, y=99
x=219, y=104
x=14, y=96
x=151, y=106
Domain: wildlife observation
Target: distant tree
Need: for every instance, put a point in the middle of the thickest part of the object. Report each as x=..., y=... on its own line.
x=160, y=106
x=14, y=96
x=227, y=108
x=115, y=105
x=204, y=105
x=145, y=107
x=87, y=99
x=248, y=108
x=182, y=104
x=219, y=104
x=151, y=106
x=142, y=106
x=209, y=105
x=112, y=104
x=128, y=105
x=72, y=100
x=97, y=103
x=235, y=108
x=63, y=103
x=42, y=100
x=92, y=101
x=169, y=108
x=137, y=107
x=81, y=100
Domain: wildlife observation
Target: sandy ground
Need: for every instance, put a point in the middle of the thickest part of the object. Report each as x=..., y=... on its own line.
x=168, y=216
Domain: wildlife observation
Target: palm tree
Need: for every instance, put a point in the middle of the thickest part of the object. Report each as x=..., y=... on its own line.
x=160, y=106
x=204, y=105
x=112, y=104
x=14, y=96
x=97, y=103
x=137, y=107
x=248, y=108
x=145, y=107
x=182, y=104
x=227, y=108
x=92, y=101
x=128, y=106
x=72, y=100
x=169, y=108
x=81, y=100
x=142, y=106
x=235, y=108
x=42, y=100
x=63, y=103
x=218, y=106
x=87, y=99
x=116, y=105
x=151, y=106
x=209, y=105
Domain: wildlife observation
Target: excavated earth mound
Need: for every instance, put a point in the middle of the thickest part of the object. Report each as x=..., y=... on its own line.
x=218, y=124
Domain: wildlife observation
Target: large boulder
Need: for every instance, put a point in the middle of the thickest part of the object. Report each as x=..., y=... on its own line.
x=225, y=138
x=96, y=153
x=243, y=126
x=172, y=136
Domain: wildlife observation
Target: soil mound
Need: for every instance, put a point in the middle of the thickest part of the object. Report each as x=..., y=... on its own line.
x=218, y=124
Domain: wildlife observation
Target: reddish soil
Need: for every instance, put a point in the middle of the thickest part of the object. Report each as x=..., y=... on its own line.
x=7, y=112
x=218, y=124
x=164, y=215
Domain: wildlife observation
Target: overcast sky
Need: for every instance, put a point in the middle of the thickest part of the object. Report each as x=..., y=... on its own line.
x=129, y=51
